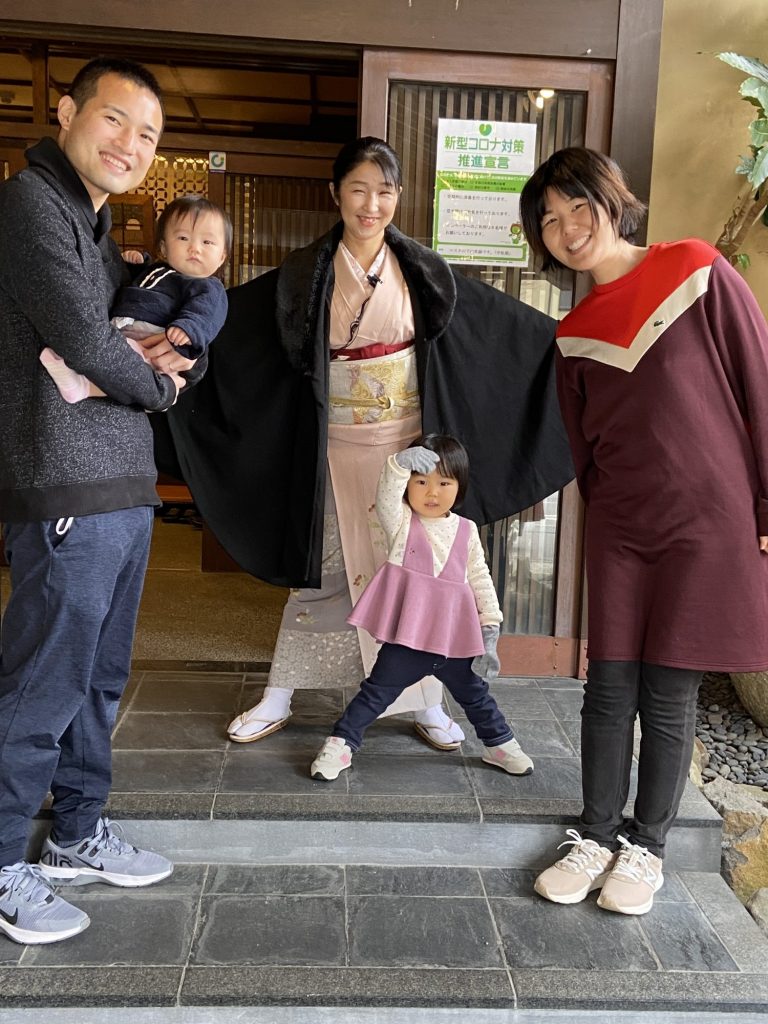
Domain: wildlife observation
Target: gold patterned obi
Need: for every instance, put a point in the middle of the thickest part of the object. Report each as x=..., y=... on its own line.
x=372, y=390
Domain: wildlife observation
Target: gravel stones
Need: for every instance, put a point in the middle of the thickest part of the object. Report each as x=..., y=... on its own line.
x=737, y=746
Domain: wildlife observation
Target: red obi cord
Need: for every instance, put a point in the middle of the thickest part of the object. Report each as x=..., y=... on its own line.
x=369, y=351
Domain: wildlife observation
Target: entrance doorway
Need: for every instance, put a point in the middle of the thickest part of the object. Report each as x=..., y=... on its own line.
x=278, y=117
x=535, y=556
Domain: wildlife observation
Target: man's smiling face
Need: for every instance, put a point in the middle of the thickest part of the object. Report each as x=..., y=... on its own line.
x=111, y=139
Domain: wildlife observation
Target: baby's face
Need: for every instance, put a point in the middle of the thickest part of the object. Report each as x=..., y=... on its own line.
x=197, y=250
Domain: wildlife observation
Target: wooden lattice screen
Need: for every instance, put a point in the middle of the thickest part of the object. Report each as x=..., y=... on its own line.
x=271, y=216
x=522, y=549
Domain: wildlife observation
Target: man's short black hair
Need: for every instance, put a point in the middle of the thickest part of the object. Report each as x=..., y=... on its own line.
x=86, y=81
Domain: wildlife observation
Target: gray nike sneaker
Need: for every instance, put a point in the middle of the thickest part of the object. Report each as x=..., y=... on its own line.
x=103, y=857
x=30, y=913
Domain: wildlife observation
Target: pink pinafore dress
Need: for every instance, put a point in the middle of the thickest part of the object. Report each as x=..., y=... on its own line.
x=407, y=604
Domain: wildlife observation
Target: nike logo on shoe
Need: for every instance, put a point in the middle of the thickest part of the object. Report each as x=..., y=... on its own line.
x=10, y=918
x=55, y=860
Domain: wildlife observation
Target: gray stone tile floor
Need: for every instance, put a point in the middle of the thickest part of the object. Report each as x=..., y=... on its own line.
x=367, y=935
x=172, y=758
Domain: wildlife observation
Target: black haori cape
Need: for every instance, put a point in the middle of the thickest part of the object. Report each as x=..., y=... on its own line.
x=250, y=440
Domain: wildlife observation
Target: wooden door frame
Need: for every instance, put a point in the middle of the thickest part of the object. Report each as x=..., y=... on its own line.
x=595, y=78
x=562, y=653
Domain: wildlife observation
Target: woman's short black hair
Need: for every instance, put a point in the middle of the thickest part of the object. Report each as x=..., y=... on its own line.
x=578, y=173
x=359, y=151
x=194, y=206
x=454, y=460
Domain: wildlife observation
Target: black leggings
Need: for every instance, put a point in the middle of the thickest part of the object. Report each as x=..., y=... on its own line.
x=665, y=698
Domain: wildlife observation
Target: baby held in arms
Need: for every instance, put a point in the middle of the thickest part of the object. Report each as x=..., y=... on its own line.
x=177, y=296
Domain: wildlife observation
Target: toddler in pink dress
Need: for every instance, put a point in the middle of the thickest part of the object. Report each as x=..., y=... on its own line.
x=432, y=605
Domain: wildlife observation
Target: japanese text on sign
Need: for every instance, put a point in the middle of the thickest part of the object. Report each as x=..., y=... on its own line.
x=481, y=168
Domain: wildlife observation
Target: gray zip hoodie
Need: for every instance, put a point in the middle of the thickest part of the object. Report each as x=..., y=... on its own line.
x=59, y=271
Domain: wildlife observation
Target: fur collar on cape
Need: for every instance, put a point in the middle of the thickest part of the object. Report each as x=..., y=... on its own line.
x=306, y=274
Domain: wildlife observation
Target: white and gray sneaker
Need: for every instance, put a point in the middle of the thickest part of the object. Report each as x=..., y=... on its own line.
x=103, y=857
x=334, y=757
x=30, y=913
x=510, y=756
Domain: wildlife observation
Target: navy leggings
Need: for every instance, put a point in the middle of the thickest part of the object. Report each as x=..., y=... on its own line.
x=398, y=667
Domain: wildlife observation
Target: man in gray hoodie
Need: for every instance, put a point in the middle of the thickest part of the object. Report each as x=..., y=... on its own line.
x=77, y=486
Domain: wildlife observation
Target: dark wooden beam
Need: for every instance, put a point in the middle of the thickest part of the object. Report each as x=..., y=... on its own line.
x=634, y=104
x=287, y=101
x=183, y=94
x=11, y=131
x=240, y=53
x=38, y=58
x=557, y=28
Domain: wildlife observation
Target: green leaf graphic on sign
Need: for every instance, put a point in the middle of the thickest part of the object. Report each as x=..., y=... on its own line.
x=485, y=129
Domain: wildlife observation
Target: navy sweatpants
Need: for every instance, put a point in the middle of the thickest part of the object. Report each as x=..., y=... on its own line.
x=65, y=657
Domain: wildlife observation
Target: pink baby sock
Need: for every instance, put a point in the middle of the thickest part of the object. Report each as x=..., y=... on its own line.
x=73, y=387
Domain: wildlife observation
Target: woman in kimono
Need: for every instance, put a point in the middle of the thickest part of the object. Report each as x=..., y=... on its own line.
x=662, y=372
x=326, y=367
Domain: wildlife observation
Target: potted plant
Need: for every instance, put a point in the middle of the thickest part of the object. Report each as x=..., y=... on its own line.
x=752, y=201
x=751, y=205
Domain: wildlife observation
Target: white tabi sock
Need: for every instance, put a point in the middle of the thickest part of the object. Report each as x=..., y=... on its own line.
x=441, y=727
x=274, y=706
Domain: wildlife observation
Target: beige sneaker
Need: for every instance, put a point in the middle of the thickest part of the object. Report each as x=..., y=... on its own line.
x=585, y=867
x=510, y=756
x=631, y=885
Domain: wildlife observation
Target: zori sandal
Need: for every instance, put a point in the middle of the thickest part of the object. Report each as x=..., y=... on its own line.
x=424, y=732
x=242, y=720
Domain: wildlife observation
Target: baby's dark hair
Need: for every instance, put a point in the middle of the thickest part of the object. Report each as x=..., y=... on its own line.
x=194, y=206
x=454, y=460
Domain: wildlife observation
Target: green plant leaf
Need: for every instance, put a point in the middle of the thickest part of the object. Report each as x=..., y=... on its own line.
x=749, y=65
x=755, y=91
x=759, y=172
x=759, y=132
x=741, y=260
x=745, y=165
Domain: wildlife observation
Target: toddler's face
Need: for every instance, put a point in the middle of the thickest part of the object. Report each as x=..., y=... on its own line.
x=197, y=250
x=432, y=495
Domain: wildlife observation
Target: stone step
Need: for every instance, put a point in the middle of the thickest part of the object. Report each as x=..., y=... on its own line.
x=172, y=761
x=410, y=936
x=692, y=845
x=402, y=891
x=368, y=1015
